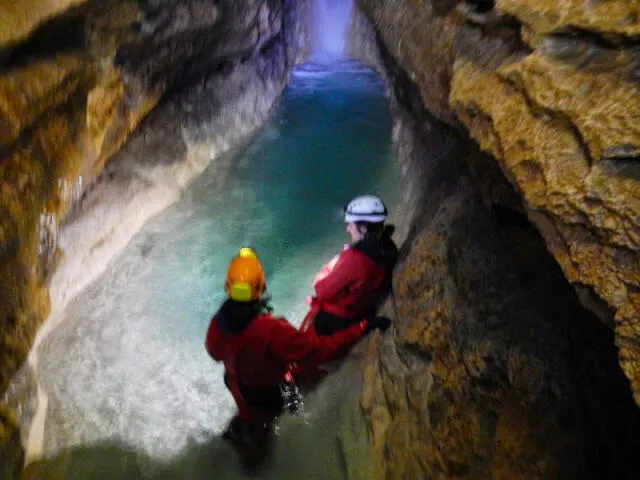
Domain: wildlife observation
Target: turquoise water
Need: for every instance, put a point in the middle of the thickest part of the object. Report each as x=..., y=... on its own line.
x=126, y=373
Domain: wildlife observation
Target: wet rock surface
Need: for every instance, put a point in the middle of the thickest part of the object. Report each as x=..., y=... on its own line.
x=494, y=368
x=499, y=367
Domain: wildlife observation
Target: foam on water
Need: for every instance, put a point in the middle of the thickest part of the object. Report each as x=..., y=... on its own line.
x=127, y=364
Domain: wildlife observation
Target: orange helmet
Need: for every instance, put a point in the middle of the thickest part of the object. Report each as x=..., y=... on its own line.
x=245, y=277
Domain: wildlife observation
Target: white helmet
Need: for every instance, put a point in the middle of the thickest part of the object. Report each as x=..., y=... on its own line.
x=367, y=208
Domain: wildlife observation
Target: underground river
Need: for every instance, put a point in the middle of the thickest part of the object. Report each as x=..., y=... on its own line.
x=131, y=391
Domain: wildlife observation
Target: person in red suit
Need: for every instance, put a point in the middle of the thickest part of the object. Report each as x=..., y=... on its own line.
x=257, y=349
x=354, y=283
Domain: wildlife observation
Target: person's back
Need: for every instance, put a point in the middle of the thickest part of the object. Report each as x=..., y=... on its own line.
x=258, y=353
x=239, y=336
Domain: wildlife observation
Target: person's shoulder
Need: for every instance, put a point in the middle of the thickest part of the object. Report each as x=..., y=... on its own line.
x=354, y=251
x=277, y=326
x=355, y=258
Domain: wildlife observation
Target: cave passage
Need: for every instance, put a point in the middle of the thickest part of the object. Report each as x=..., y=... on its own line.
x=131, y=390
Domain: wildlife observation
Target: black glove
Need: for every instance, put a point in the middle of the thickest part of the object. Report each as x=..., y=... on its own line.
x=377, y=323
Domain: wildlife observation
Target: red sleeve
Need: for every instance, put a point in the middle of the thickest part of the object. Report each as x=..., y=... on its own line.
x=292, y=345
x=344, y=273
x=209, y=340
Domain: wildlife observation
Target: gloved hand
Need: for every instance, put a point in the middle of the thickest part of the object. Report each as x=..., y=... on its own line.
x=377, y=323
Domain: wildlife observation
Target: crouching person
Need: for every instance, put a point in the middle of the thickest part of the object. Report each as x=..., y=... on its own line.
x=257, y=348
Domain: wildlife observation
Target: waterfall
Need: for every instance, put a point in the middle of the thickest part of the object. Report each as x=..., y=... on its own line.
x=329, y=26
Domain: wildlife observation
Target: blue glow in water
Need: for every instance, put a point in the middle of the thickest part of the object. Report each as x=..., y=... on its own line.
x=128, y=363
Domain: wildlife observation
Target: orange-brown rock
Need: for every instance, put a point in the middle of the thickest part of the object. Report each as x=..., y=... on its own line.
x=547, y=16
x=563, y=122
x=552, y=129
x=62, y=116
x=550, y=90
x=29, y=92
x=56, y=130
x=110, y=117
x=76, y=78
x=492, y=364
x=604, y=109
x=410, y=42
x=20, y=19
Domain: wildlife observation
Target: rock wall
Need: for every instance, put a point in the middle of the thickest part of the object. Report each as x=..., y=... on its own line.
x=551, y=90
x=495, y=368
x=76, y=79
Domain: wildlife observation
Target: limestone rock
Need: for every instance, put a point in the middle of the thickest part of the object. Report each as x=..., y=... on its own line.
x=485, y=378
x=76, y=79
x=19, y=19
x=603, y=108
x=550, y=90
x=552, y=141
x=29, y=92
x=546, y=16
x=52, y=135
x=404, y=33
x=491, y=366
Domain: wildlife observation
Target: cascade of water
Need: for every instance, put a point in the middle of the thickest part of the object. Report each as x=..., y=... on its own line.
x=329, y=26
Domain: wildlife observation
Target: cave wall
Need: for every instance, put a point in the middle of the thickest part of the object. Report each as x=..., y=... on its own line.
x=493, y=369
x=551, y=90
x=515, y=302
x=481, y=377
x=77, y=78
